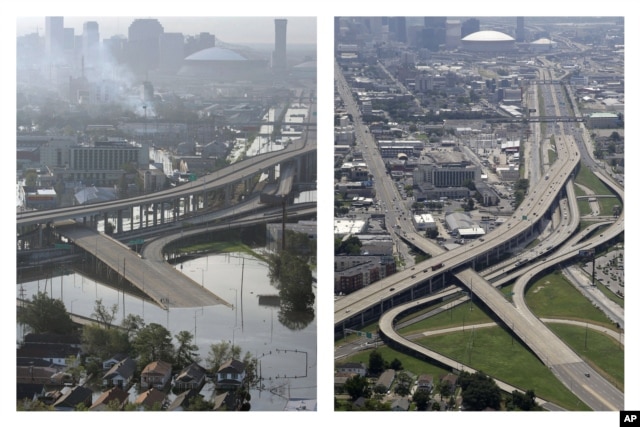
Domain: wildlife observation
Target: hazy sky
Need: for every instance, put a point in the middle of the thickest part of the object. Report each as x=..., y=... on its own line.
x=237, y=30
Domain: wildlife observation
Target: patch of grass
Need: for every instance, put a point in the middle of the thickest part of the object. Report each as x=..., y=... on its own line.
x=409, y=363
x=222, y=247
x=465, y=314
x=552, y=296
x=495, y=352
x=587, y=178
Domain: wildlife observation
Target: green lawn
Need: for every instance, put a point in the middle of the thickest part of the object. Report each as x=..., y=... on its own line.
x=553, y=296
x=588, y=179
x=463, y=314
x=495, y=352
x=409, y=363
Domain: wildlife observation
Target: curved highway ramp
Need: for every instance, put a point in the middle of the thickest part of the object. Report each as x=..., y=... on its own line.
x=160, y=281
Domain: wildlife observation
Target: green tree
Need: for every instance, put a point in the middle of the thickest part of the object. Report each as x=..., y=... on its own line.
x=132, y=324
x=403, y=384
x=350, y=246
x=376, y=363
x=519, y=401
x=221, y=352
x=396, y=364
x=357, y=386
x=479, y=391
x=421, y=399
x=46, y=315
x=104, y=343
x=152, y=343
x=300, y=245
x=186, y=351
x=198, y=403
x=445, y=389
x=295, y=283
x=104, y=315
x=33, y=405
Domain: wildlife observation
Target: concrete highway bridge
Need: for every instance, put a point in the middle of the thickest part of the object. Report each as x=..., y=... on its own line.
x=75, y=227
x=459, y=265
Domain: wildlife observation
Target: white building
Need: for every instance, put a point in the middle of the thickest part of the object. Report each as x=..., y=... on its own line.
x=424, y=222
x=344, y=227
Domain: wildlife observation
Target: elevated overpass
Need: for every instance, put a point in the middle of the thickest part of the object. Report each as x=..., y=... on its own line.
x=355, y=310
x=191, y=196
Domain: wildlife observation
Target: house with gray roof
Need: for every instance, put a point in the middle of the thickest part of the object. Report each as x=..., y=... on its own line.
x=120, y=374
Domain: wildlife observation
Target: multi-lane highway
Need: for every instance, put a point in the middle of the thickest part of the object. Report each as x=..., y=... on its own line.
x=221, y=178
x=543, y=197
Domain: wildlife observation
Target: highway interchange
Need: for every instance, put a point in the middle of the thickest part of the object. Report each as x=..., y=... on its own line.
x=548, y=197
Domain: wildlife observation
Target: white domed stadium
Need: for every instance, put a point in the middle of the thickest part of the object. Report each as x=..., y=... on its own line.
x=488, y=41
x=224, y=64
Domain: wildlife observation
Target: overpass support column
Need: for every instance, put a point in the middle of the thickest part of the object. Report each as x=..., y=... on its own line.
x=227, y=194
x=176, y=209
x=155, y=214
x=105, y=219
x=162, y=208
x=131, y=218
x=272, y=174
x=119, y=221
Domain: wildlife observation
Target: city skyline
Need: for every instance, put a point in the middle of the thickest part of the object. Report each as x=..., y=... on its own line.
x=300, y=30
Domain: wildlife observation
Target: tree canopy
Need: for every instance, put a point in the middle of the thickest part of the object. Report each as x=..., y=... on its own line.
x=479, y=391
x=46, y=315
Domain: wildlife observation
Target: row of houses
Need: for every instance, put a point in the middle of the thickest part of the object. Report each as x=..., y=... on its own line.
x=423, y=382
x=45, y=365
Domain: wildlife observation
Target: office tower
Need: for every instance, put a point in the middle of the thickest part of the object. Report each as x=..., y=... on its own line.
x=54, y=36
x=398, y=28
x=143, y=48
x=279, y=63
x=171, y=52
x=470, y=26
x=454, y=29
x=520, y=29
x=90, y=43
x=434, y=33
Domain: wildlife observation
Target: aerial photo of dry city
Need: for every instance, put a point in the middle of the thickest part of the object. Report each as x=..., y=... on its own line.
x=166, y=214
x=478, y=213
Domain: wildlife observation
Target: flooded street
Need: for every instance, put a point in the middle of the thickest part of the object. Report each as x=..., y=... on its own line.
x=285, y=347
